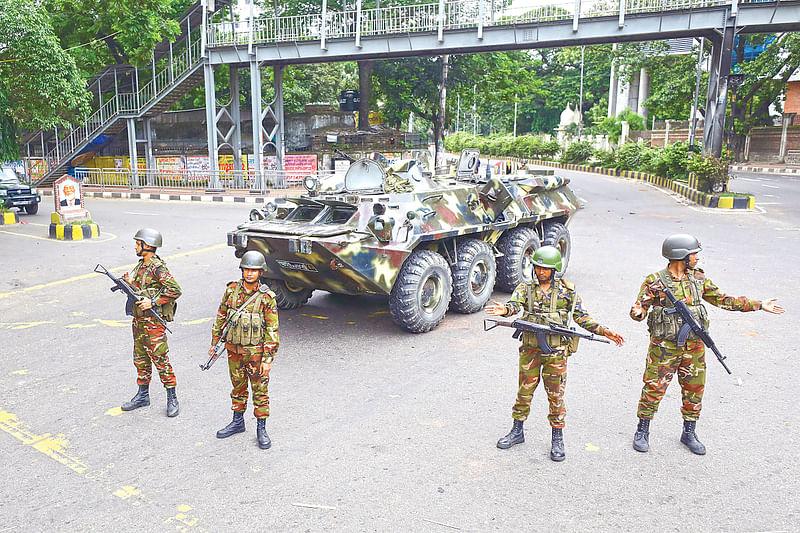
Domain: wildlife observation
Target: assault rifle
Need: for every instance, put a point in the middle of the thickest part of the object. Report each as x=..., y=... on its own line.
x=122, y=285
x=219, y=347
x=690, y=324
x=540, y=331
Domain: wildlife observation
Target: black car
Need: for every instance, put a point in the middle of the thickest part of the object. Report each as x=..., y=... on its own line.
x=14, y=193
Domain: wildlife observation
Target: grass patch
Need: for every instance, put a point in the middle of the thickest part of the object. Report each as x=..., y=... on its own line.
x=80, y=222
x=734, y=194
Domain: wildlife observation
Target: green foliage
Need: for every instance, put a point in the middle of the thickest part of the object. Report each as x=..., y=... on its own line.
x=524, y=146
x=39, y=82
x=578, y=152
x=612, y=126
x=711, y=172
x=634, y=156
x=671, y=162
x=605, y=158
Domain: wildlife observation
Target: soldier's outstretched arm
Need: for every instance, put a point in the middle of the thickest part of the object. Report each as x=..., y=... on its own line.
x=716, y=297
x=643, y=301
x=584, y=320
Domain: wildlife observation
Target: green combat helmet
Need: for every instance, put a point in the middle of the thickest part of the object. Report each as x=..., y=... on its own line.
x=548, y=257
x=149, y=236
x=679, y=246
x=253, y=259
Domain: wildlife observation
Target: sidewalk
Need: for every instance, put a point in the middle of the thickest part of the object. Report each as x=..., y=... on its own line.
x=765, y=168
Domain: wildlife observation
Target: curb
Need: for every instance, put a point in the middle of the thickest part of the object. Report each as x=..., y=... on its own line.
x=73, y=232
x=8, y=218
x=766, y=170
x=690, y=193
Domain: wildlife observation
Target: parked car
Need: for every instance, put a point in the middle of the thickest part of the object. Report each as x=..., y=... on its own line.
x=14, y=193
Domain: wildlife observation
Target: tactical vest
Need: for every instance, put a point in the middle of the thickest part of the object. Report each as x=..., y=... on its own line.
x=167, y=310
x=247, y=326
x=553, y=316
x=664, y=324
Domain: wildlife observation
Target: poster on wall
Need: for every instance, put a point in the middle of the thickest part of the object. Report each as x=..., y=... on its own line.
x=170, y=167
x=197, y=163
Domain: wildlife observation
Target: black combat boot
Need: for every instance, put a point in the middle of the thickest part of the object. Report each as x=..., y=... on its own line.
x=641, y=442
x=515, y=436
x=557, y=446
x=172, y=402
x=142, y=399
x=261, y=433
x=236, y=426
x=689, y=438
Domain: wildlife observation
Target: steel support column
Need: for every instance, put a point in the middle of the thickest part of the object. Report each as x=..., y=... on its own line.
x=236, y=118
x=278, y=131
x=134, y=167
x=714, y=127
x=150, y=160
x=211, y=124
x=258, y=130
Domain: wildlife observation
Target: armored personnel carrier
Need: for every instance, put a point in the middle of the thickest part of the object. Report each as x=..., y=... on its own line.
x=431, y=243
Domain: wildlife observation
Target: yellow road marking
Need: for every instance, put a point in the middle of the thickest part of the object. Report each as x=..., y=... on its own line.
x=315, y=316
x=94, y=274
x=77, y=326
x=23, y=325
x=126, y=492
x=18, y=373
x=114, y=411
x=591, y=447
x=111, y=237
x=114, y=323
x=193, y=322
x=54, y=447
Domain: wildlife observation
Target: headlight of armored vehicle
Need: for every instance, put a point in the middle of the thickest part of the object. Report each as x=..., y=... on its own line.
x=255, y=214
x=270, y=208
x=311, y=183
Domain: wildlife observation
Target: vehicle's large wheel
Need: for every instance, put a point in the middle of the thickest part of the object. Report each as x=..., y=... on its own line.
x=557, y=234
x=287, y=296
x=473, y=276
x=32, y=209
x=421, y=293
x=515, y=266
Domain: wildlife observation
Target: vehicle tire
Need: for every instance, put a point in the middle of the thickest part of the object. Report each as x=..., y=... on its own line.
x=473, y=276
x=288, y=296
x=421, y=292
x=515, y=266
x=32, y=209
x=557, y=234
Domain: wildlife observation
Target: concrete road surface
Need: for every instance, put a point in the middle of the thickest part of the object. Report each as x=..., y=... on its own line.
x=376, y=429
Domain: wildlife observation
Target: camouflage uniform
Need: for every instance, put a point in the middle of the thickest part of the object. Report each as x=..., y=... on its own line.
x=249, y=361
x=664, y=357
x=533, y=363
x=149, y=336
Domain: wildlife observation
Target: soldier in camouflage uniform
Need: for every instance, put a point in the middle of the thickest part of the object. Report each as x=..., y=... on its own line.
x=251, y=341
x=664, y=356
x=546, y=300
x=159, y=290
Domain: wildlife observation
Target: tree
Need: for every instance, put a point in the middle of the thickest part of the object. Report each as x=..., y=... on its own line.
x=119, y=31
x=39, y=82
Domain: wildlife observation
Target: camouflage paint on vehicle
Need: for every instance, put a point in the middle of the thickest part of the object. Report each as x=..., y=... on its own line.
x=352, y=237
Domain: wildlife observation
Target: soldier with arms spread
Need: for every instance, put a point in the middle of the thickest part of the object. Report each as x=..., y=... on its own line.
x=151, y=278
x=546, y=299
x=664, y=356
x=251, y=342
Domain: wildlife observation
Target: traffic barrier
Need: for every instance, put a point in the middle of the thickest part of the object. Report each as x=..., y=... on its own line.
x=7, y=217
x=73, y=232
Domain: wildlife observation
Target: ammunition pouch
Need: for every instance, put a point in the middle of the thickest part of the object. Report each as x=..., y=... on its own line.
x=247, y=329
x=167, y=310
x=663, y=324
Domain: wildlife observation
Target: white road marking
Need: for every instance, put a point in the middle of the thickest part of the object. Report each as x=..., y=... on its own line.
x=770, y=186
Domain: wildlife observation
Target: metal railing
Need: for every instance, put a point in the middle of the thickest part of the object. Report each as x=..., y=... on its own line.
x=448, y=15
x=244, y=181
x=133, y=103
